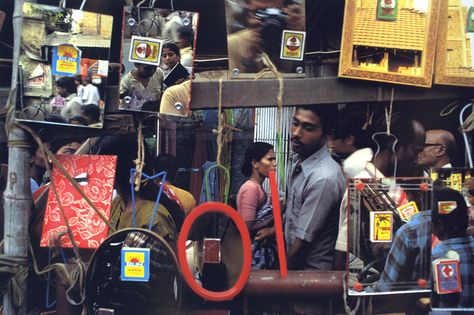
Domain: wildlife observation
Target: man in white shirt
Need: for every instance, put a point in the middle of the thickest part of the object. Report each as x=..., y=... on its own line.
x=90, y=94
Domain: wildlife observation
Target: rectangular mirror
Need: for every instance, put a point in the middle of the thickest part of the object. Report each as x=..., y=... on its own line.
x=274, y=27
x=157, y=60
x=451, y=255
x=455, y=52
x=389, y=236
x=63, y=67
x=389, y=41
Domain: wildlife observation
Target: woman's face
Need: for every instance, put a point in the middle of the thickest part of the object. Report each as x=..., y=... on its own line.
x=266, y=164
x=170, y=59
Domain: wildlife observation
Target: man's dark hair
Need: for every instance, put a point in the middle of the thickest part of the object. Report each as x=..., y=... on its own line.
x=455, y=223
x=173, y=47
x=401, y=126
x=187, y=33
x=67, y=83
x=325, y=113
x=166, y=162
x=255, y=151
x=91, y=112
x=348, y=124
x=81, y=120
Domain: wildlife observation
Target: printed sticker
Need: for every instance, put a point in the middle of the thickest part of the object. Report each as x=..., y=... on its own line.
x=292, y=45
x=145, y=50
x=135, y=264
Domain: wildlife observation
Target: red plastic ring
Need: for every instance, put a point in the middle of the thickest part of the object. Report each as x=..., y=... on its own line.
x=244, y=234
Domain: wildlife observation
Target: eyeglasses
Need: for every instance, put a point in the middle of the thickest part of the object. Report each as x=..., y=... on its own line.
x=432, y=144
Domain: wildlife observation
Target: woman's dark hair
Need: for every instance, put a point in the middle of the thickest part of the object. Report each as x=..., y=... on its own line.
x=125, y=147
x=173, y=47
x=255, y=151
x=187, y=33
x=68, y=84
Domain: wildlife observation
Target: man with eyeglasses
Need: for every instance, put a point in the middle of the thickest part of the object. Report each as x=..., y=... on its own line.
x=438, y=150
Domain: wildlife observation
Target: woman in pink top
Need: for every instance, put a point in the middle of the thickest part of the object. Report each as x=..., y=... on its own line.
x=254, y=207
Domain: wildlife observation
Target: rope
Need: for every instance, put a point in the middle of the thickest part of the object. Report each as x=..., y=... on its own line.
x=10, y=116
x=72, y=278
x=13, y=272
x=281, y=90
x=347, y=307
x=140, y=161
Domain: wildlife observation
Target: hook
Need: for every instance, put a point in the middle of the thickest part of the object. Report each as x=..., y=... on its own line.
x=374, y=136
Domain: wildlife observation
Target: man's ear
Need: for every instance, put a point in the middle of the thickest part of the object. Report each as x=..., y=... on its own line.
x=441, y=150
x=350, y=140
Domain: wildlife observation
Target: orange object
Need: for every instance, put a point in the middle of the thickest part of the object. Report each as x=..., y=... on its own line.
x=424, y=186
x=244, y=234
x=278, y=225
x=358, y=287
x=422, y=283
x=359, y=186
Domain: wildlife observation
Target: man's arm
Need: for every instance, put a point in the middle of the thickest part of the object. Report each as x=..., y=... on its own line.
x=297, y=254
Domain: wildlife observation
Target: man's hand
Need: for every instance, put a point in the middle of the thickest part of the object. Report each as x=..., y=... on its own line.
x=265, y=233
x=295, y=20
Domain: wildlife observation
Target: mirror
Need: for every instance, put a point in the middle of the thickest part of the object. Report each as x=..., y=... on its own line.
x=455, y=52
x=389, y=41
x=451, y=254
x=63, y=67
x=107, y=286
x=274, y=27
x=389, y=236
x=157, y=60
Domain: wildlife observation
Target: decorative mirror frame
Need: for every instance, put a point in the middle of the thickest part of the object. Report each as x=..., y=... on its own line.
x=347, y=70
x=441, y=75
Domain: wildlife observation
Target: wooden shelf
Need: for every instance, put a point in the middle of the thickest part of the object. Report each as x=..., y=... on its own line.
x=329, y=90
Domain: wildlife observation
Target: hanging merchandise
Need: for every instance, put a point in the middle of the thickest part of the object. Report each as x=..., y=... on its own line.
x=158, y=46
x=455, y=44
x=389, y=41
x=60, y=52
x=274, y=29
x=95, y=175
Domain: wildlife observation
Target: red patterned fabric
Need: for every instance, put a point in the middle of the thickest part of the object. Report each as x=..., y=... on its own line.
x=88, y=228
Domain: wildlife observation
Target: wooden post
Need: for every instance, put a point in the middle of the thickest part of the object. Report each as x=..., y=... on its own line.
x=18, y=191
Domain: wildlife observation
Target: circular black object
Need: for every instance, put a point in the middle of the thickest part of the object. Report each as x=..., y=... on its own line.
x=105, y=289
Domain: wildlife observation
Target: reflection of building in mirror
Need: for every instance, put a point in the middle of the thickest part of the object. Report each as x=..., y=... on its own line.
x=256, y=27
x=459, y=46
x=394, y=46
x=157, y=53
x=64, y=63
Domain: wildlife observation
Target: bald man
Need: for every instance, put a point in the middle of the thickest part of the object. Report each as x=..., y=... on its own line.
x=438, y=150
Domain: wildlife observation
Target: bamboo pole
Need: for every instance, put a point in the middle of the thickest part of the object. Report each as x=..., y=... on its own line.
x=17, y=195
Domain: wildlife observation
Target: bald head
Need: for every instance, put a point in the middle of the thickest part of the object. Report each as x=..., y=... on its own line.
x=439, y=149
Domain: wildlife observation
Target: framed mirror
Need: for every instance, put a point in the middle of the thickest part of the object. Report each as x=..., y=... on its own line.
x=455, y=52
x=389, y=41
x=63, y=67
x=157, y=60
x=274, y=27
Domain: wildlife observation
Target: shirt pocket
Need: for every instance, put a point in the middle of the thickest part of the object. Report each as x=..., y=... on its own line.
x=297, y=201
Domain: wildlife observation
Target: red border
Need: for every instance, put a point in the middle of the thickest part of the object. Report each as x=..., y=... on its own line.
x=278, y=225
x=244, y=234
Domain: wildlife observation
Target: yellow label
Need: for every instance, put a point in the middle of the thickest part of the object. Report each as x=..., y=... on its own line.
x=408, y=210
x=381, y=225
x=134, y=265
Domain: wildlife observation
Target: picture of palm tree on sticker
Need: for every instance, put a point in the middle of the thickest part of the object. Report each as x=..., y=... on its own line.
x=381, y=226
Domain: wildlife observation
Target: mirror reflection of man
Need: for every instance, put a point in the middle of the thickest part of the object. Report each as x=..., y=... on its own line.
x=438, y=150
x=265, y=21
x=142, y=84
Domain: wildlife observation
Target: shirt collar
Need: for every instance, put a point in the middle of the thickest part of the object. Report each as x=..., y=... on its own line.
x=70, y=96
x=310, y=162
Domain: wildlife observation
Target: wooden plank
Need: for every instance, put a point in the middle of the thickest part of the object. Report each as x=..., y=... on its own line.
x=2, y=19
x=261, y=93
